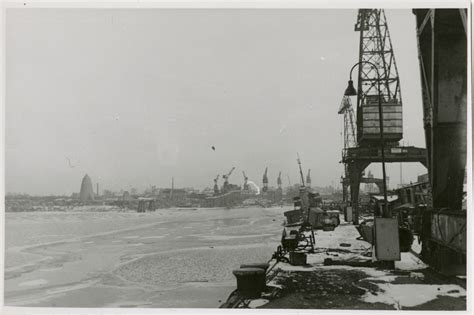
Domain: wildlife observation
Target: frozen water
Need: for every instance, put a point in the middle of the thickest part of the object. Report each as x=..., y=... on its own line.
x=166, y=258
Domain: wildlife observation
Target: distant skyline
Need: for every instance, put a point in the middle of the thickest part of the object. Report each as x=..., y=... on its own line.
x=136, y=97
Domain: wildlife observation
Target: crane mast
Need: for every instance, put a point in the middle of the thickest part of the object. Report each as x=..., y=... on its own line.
x=375, y=48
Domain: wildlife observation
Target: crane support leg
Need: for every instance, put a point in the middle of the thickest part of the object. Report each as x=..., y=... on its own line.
x=442, y=49
x=442, y=46
x=355, y=174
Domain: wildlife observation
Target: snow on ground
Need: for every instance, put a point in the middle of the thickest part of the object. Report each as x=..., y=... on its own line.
x=410, y=262
x=257, y=303
x=401, y=288
x=416, y=245
x=409, y=295
x=343, y=244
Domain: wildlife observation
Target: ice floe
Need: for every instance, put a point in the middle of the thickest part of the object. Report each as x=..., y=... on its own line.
x=33, y=283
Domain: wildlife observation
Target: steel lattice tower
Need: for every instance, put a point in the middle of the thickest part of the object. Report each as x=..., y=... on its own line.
x=347, y=110
x=376, y=47
x=377, y=76
x=349, y=126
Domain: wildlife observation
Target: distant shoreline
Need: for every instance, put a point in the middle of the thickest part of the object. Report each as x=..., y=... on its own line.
x=105, y=208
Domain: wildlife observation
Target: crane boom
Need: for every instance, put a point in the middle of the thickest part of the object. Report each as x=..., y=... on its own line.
x=226, y=176
x=299, y=164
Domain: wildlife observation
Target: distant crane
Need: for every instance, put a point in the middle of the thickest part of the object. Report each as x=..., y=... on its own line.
x=246, y=185
x=377, y=79
x=279, y=180
x=347, y=110
x=301, y=170
x=308, y=178
x=216, y=187
x=265, y=181
x=226, y=180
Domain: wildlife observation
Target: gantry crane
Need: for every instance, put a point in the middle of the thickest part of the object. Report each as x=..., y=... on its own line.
x=377, y=80
x=265, y=181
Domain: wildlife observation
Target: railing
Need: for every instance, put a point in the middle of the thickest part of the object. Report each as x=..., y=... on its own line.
x=360, y=152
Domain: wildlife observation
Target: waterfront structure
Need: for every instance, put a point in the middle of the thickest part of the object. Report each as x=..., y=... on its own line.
x=87, y=192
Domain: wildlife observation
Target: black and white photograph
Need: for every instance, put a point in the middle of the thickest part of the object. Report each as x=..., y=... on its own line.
x=272, y=158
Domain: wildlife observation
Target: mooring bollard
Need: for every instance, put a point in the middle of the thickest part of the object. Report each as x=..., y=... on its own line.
x=250, y=281
x=263, y=266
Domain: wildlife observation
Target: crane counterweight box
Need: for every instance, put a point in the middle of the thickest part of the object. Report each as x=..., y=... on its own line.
x=392, y=118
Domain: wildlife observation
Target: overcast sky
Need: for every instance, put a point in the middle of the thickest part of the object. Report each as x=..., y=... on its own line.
x=134, y=97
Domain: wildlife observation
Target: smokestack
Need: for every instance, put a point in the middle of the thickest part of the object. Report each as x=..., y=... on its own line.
x=97, y=189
